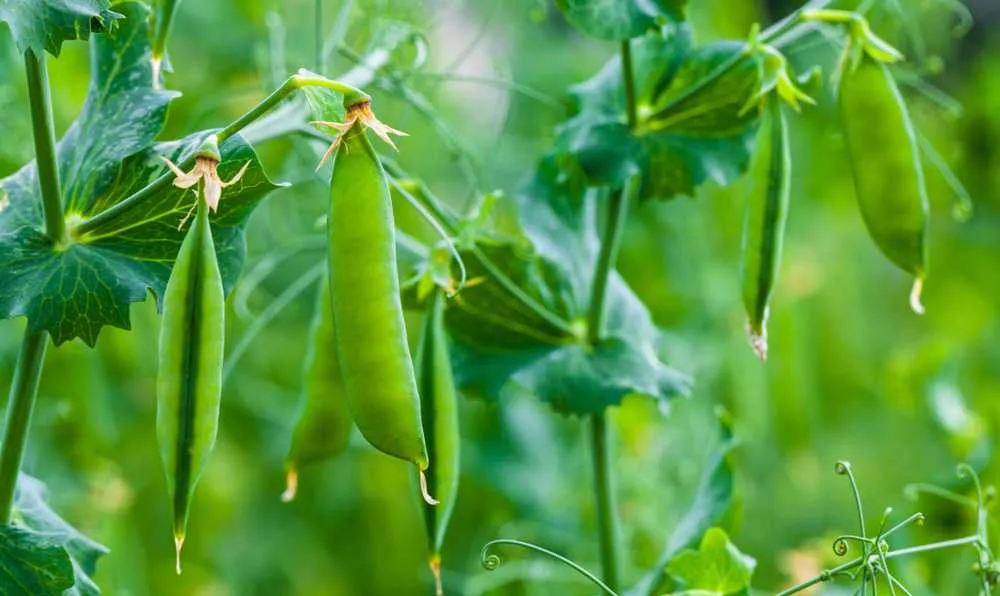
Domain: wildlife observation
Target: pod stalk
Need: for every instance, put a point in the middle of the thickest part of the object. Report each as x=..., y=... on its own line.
x=291, y=485
x=918, y=289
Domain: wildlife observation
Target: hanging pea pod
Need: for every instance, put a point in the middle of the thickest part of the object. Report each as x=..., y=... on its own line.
x=885, y=159
x=324, y=422
x=439, y=412
x=189, y=383
x=765, y=217
x=364, y=294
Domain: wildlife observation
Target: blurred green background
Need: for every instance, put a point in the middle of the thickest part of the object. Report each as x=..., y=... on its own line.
x=853, y=374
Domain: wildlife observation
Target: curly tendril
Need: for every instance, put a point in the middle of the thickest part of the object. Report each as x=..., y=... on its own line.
x=491, y=561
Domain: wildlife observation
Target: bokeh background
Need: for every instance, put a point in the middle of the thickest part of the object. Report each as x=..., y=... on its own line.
x=853, y=373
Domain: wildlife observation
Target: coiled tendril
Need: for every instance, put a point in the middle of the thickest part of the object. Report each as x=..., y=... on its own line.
x=491, y=561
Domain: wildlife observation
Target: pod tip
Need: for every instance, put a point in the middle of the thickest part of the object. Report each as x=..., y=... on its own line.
x=291, y=486
x=918, y=288
x=758, y=341
x=435, y=565
x=424, y=492
x=178, y=545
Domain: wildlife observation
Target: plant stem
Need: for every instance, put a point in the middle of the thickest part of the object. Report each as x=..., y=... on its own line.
x=607, y=515
x=293, y=83
x=45, y=146
x=23, y=391
x=614, y=226
x=854, y=563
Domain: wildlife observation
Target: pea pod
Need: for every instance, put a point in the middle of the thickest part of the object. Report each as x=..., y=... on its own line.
x=885, y=159
x=439, y=409
x=189, y=383
x=324, y=422
x=367, y=312
x=764, y=220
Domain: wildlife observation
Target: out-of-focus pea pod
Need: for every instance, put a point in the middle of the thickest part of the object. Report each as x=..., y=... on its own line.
x=890, y=185
x=764, y=221
x=189, y=383
x=364, y=293
x=439, y=412
x=324, y=422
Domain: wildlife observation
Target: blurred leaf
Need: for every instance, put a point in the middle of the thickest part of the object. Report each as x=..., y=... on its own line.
x=713, y=503
x=717, y=566
x=40, y=25
x=53, y=557
x=105, y=157
x=620, y=19
x=506, y=349
x=690, y=129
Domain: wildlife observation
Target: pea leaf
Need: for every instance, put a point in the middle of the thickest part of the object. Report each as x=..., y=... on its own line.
x=33, y=564
x=717, y=566
x=505, y=348
x=690, y=131
x=40, y=25
x=714, y=502
x=41, y=554
x=106, y=156
x=32, y=512
x=620, y=19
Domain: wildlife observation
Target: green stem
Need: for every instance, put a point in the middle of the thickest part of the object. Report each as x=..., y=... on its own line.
x=23, y=391
x=45, y=146
x=604, y=489
x=855, y=563
x=607, y=516
x=293, y=83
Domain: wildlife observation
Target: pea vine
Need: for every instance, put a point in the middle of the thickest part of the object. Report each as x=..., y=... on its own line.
x=109, y=214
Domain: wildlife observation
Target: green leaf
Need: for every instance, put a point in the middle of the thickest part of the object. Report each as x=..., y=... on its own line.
x=620, y=19
x=40, y=25
x=717, y=566
x=690, y=129
x=504, y=348
x=42, y=554
x=33, y=564
x=107, y=155
x=714, y=502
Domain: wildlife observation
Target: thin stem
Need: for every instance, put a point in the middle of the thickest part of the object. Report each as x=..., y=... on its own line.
x=162, y=20
x=607, y=518
x=823, y=577
x=629, y=81
x=23, y=391
x=606, y=258
x=491, y=561
x=45, y=146
x=923, y=548
x=293, y=83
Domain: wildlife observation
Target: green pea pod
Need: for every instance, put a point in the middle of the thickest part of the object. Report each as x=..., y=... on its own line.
x=888, y=176
x=764, y=220
x=189, y=383
x=367, y=312
x=440, y=417
x=324, y=422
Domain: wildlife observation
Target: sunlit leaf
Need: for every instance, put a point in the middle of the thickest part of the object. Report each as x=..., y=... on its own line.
x=717, y=566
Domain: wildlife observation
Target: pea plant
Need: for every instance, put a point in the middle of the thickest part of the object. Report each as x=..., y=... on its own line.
x=526, y=305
